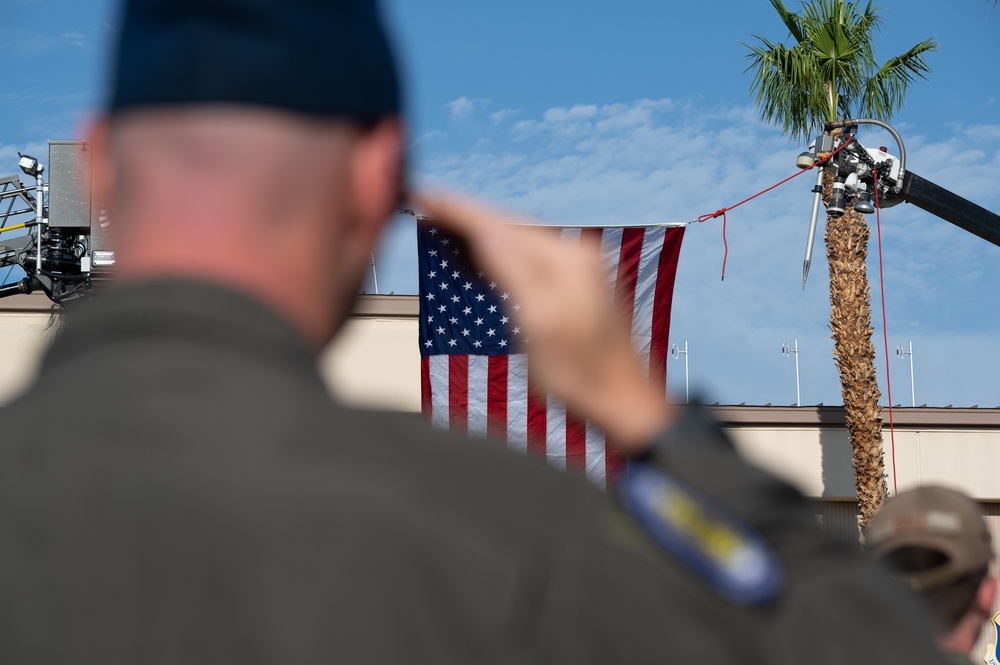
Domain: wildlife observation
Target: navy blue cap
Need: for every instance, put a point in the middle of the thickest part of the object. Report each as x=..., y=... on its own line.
x=319, y=57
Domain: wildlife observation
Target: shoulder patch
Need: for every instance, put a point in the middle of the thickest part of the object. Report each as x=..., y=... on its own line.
x=726, y=553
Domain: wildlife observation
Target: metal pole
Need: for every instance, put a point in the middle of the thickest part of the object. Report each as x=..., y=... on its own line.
x=675, y=352
x=900, y=353
x=374, y=273
x=39, y=215
x=913, y=392
x=785, y=351
x=811, y=240
x=798, y=396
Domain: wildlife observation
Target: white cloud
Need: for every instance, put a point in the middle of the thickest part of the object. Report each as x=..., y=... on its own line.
x=430, y=136
x=658, y=160
x=503, y=115
x=8, y=155
x=75, y=38
x=464, y=107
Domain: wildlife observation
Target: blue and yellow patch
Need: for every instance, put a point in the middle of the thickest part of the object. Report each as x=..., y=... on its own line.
x=727, y=554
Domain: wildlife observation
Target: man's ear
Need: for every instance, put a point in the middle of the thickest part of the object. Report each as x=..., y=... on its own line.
x=97, y=133
x=377, y=172
x=985, y=596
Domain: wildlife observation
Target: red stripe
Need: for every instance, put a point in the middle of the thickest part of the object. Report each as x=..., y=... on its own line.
x=496, y=405
x=662, y=299
x=576, y=443
x=592, y=234
x=614, y=465
x=458, y=393
x=628, y=272
x=425, y=386
x=537, y=406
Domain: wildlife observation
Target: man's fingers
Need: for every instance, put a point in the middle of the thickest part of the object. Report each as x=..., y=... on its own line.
x=504, y=245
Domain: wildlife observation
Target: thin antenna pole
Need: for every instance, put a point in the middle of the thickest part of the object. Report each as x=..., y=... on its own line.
x=786, y=351
x=40, y=218
x=676, y=353
x=900, y=353
x=374, y=273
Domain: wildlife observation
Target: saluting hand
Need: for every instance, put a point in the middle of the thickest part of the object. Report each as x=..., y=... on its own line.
x=579, y=345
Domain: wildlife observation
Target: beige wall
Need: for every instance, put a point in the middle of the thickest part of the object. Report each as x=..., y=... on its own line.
x=375, y=362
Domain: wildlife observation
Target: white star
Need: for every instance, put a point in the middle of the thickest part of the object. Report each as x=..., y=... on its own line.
x=440, y=330
x=443, y=286
x=479, y=321
x=467, y=286
x=480, y=274
x=517, y=306
x=444, y=264
x=504, y=320
x=433, y=232
x=442, y=309
x=431, y=275
x=446, y=241
x=467, y=311
x=430, y=319
x=455, y=252
x=433, y=252
x=427, y=343
x=454, y=275
x=455, y=298
x=465, y=332
x=493, y=309
x=491, y=332
x=430, y=296
x=505, y=296
x=503, y=344
x=480, y=298
x=516, y=330
x=493, y=285
x=452, y=342
x=453, y=320
x=477, y=344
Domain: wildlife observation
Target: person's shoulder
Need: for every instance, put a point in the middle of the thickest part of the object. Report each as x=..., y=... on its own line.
x=477, y=477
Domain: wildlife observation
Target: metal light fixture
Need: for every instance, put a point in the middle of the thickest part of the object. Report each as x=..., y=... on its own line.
x=30, y=165
x=838, y=199
x=864, y=203
x=805, y=160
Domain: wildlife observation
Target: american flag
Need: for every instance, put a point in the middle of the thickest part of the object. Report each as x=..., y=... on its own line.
x=474, y=370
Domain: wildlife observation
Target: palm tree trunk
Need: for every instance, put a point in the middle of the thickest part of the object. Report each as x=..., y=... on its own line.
x=854, y=353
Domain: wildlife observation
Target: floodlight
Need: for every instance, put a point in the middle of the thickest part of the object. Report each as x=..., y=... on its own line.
x=30, y=165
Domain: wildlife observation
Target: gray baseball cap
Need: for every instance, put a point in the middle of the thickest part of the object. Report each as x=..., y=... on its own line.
x=938, y=519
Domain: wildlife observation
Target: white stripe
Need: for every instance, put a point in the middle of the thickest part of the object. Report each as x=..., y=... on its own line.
x=479, y=374
x=438, y=368
x=555, y=433
x=571, y=235
x=596, y=454
x=645, y=292
x=611, y=250
x=517, y=401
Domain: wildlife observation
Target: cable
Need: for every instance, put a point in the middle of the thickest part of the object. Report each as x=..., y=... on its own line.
x=885, y=337
x=820, y=161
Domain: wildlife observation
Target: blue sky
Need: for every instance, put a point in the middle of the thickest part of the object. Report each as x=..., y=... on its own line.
x=638, y=111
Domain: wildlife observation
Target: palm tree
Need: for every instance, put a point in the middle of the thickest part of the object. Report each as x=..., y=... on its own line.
x=830, y=73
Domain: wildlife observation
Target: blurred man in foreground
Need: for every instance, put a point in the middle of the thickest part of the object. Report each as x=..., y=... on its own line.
x=937, y=541
x=178, y=487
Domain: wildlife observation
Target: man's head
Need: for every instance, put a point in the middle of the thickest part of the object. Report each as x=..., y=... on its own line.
x=255, y=144
x=937, y=542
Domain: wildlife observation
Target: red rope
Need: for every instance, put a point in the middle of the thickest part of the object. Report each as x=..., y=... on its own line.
x=721, y=212
x=885, y=337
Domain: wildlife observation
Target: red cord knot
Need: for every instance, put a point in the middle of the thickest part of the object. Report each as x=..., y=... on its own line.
x=721, y=212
